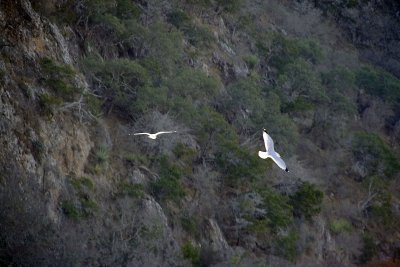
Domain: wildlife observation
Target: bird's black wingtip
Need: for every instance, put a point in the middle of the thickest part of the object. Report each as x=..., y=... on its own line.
x=286, y=170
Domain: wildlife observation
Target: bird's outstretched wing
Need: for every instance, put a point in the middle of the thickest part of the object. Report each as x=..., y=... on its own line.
x=269, y=144
x=163, y=132
x=141, y=134
x=279, y=161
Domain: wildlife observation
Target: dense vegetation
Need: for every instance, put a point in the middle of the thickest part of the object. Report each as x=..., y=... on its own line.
x=137, y=63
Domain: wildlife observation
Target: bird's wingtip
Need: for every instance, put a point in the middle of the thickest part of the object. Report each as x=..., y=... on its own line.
x=286, y=170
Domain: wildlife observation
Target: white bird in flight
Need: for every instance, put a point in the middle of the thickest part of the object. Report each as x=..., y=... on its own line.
x=154, y=135
x=270, y=153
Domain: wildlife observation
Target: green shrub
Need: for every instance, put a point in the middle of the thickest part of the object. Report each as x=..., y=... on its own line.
x=263, y=109
x=178, y=18
x=71, y=210
x=191, y=226
x=121, y=10
x=163, y=45
x=282, y=50
x=87, y=182
x=246, y=96
x=376, y=183
x=185, y=154
x=48, y=102
x=60, y=78
x=113, y=23
x=340, y=226
x=379, y=82
x=298, y=79
x=62, y=88
x=137, y=159
x=298, y=105
x=84, y=207
x=381, y=209
x=102, y=153
x=286, y=246
x=153, y=98
x=246, y=23
x=340, y=79
x=195, y=85
x=62, y=13
x=281, y=128
x=208, y=125
x=97, y=168
x=109, y=20
x=168, y=169
x=238, y=165
x=251, y=60
x=230, y=5
x=84, y=204
x=258, y=226
x=99, y=159
x=279, y=211
x=341, y=104
x=369, y=249
x=191, y=253
x=247, y=205
x=53, y=69
x=96, y=8
x=156, y=71
x=88, y=204
x=81, y=183
x=199, y=35
x=152, y=232
x=132, y=190
x=168, y=186
x=236, y=259
x=186, y=112
x=126, y=9
x=117, y=80
x=307, y=200
x=165, y=189
x=133, y=87
x=375, y=154
x=94, y=104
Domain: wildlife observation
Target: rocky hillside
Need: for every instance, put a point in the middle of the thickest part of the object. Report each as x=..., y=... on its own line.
x=372, y=26
x=77, y=77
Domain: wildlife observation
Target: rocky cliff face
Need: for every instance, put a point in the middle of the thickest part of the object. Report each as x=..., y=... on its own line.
x=76, y=190
x=41, y=154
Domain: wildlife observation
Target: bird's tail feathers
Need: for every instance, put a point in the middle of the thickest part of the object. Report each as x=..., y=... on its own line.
x=263, y=154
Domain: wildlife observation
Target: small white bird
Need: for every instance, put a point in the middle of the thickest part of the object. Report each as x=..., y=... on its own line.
x=270, y=153
x=154, y=136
